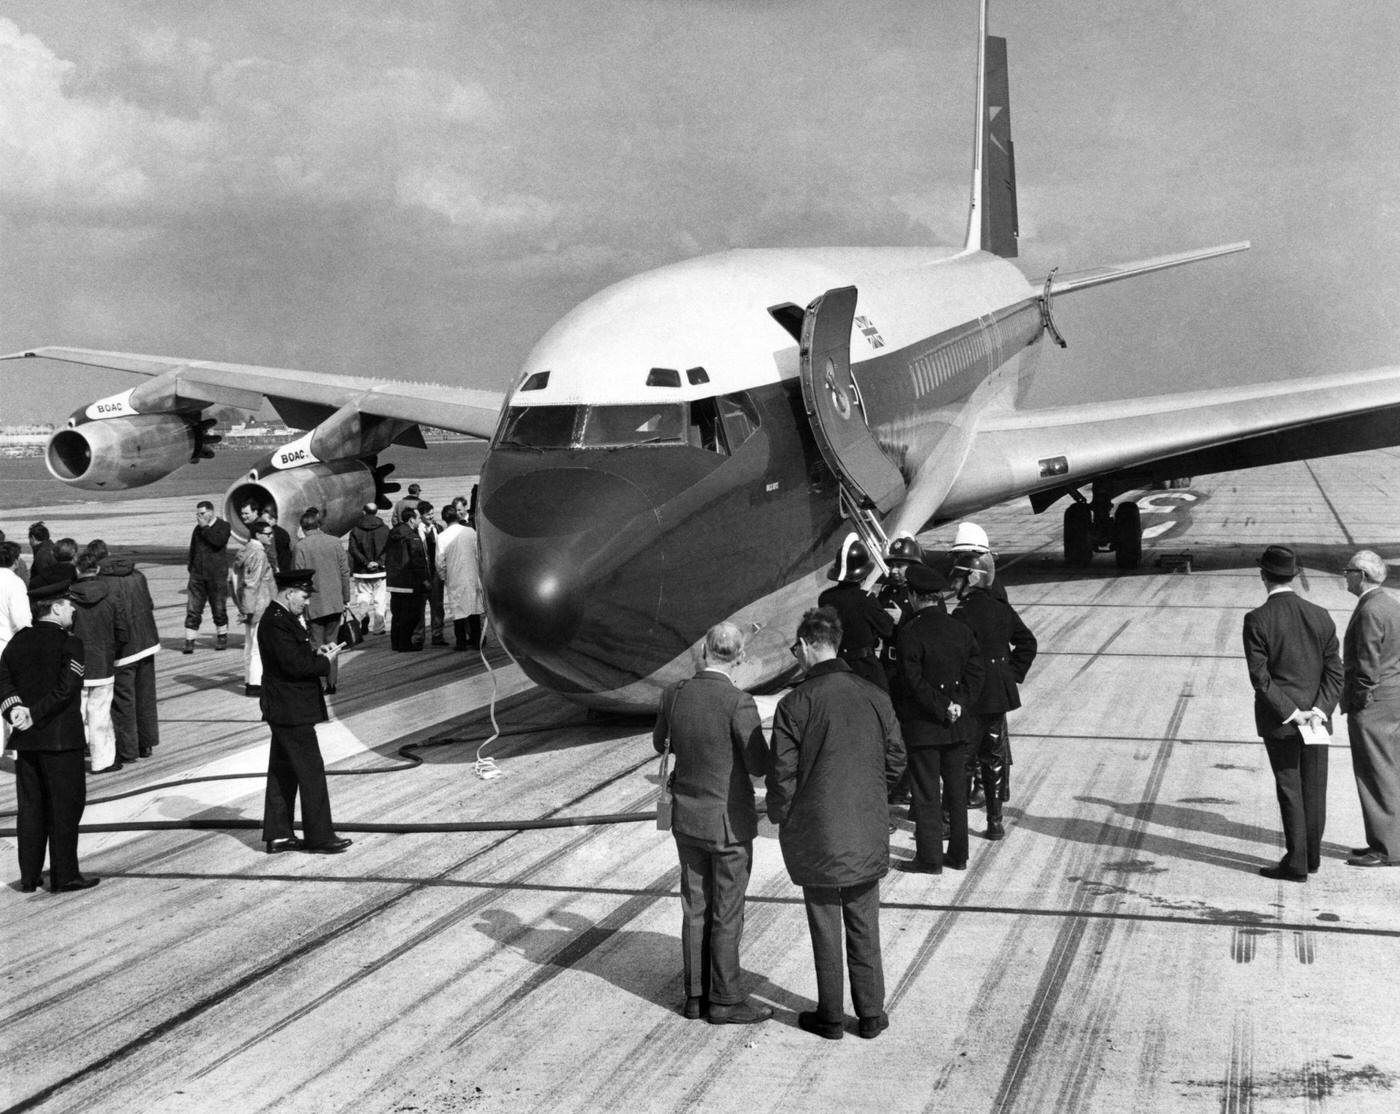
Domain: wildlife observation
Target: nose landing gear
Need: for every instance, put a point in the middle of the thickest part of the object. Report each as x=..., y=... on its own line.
x=1099, y=526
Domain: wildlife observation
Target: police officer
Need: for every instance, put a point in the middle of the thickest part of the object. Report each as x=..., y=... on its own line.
x=292, y=704
x=901, y=554
x=864, y=623
x=1008, y=649
x=940, y=674
x=41, y=686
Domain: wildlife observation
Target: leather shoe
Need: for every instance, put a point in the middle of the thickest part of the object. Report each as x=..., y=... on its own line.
x=330, y=690
x=1359, y=851
x=1371, y=858
x=955, y=864
x=872, y=1027
x=995, y=829
x=113, y=768
x=145, y=752
x=330, y=847
x=78, y=883
x=252, y=690
x=745, y=1013
x=27, y=887
x=918, y=866
x=1278, y=873
x=694, y=1009
x=810, y=1021
x=287, y=843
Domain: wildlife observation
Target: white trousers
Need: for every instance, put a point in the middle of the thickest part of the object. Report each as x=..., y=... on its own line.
x=97, y=724
x=371, y=598
x=252, y=660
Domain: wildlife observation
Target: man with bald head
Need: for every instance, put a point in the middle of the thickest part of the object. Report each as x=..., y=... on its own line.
x=717, y=742
x=1371, y=699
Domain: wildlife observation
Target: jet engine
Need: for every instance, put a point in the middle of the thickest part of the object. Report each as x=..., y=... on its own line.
x=340, y=488
x=118, y=453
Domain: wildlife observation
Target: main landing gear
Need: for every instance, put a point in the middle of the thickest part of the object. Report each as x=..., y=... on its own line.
x=1100, y=526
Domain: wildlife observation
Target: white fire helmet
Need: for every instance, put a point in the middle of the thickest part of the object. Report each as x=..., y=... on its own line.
x=971, y=538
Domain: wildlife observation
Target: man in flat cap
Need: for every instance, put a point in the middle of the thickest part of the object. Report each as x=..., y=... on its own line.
x=1290, y=647
x=938, y=679
x=1371, y=700
x=292, y=704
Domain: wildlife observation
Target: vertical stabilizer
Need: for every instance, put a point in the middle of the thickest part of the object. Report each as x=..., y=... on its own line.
x=992, y=224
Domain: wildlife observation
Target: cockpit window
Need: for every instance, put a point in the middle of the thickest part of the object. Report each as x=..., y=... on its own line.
x=593, y=427
x=739, y=417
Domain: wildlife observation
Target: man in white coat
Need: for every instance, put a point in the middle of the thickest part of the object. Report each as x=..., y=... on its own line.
x=461, y=581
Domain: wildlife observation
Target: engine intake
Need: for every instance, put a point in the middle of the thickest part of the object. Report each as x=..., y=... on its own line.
x=119, y=453
x=341, y=488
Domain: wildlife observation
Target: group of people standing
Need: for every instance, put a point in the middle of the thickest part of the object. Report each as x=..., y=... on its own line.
x=915, y=686
x=1300, y=679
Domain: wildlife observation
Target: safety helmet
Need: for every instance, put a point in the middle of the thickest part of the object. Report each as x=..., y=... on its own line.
x=852, y=562
x=905, y=549
x=983, y=565
x=971, y=537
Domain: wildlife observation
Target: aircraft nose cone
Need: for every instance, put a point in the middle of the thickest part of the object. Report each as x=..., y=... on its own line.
x=572, y=568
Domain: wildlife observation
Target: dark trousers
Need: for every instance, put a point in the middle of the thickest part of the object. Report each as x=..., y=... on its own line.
x=322, y=632
x=294, y=763
x=51, y=790
x=466, y=633
x=134, y=716
x=1300, y=777
x=1374, y=732
x=438, y=616
x=938, y=778
x=212, y=590
x=713, y=884
x=405, y=615
x=857, y=910
x=991, y=760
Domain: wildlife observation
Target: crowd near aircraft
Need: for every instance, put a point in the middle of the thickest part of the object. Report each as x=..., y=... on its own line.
x=691, y=444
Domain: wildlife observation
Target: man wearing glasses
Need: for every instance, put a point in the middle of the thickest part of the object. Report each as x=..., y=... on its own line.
x=1371, y=699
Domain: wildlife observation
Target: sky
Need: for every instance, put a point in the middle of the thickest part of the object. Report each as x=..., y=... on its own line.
x=419, y=190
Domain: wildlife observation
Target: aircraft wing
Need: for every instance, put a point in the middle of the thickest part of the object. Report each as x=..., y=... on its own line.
x=1044, y=453
x=302, y=398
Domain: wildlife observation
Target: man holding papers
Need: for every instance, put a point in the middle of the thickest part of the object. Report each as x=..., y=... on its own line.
x=1290, y=646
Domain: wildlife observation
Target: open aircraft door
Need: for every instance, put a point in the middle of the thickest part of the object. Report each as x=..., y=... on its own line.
x=835, y=408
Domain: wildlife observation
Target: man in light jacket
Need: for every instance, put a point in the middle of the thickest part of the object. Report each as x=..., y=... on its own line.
x=324, y=556
x=254, y=589
x=461, y=580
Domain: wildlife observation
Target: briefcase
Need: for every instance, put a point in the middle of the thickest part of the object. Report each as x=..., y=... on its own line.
x=350, y=632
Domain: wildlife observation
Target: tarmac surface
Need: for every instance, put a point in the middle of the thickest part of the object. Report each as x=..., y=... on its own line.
x=1118, y=951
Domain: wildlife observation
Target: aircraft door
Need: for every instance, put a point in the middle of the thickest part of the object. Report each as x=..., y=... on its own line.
x=834, y=407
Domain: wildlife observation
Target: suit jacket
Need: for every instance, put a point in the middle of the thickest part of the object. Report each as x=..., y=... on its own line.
x=1372, y=649
x=1290, y=647
x=291, y=686
x=717, y=745
x=939, y=663
x=325, y=556
x=42, y=670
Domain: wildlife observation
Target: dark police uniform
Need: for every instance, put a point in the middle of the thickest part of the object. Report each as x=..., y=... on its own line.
x=939, y=663
x=1008, y=649
x=42, y=670
x=864, y=625
x=292, y=704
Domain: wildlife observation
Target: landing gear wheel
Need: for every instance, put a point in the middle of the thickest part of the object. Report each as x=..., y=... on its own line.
x=1127, y=535
x=1079, y=535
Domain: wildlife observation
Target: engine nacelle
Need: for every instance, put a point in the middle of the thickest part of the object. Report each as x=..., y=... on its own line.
x=340, y=488
x=117, y=453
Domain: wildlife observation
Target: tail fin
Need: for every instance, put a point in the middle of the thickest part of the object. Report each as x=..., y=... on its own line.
x=991, y=222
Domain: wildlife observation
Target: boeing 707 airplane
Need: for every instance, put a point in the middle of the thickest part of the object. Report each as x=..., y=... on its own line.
x=690, y=445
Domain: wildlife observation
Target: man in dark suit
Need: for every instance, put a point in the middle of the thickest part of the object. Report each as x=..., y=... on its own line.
x=940, y=678
x=292, y=704
x=41, y=685
x=717, y=742
x=1290, y=647
x=1371, y=699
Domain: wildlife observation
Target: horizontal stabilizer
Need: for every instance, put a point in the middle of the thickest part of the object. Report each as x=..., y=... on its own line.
x=1097, y=276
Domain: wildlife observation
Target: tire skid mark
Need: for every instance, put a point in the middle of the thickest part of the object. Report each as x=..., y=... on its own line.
x=1068, y=940
x=1305, y=947
x=1093, y=658
x=1237, y=1089
x=329, y=933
